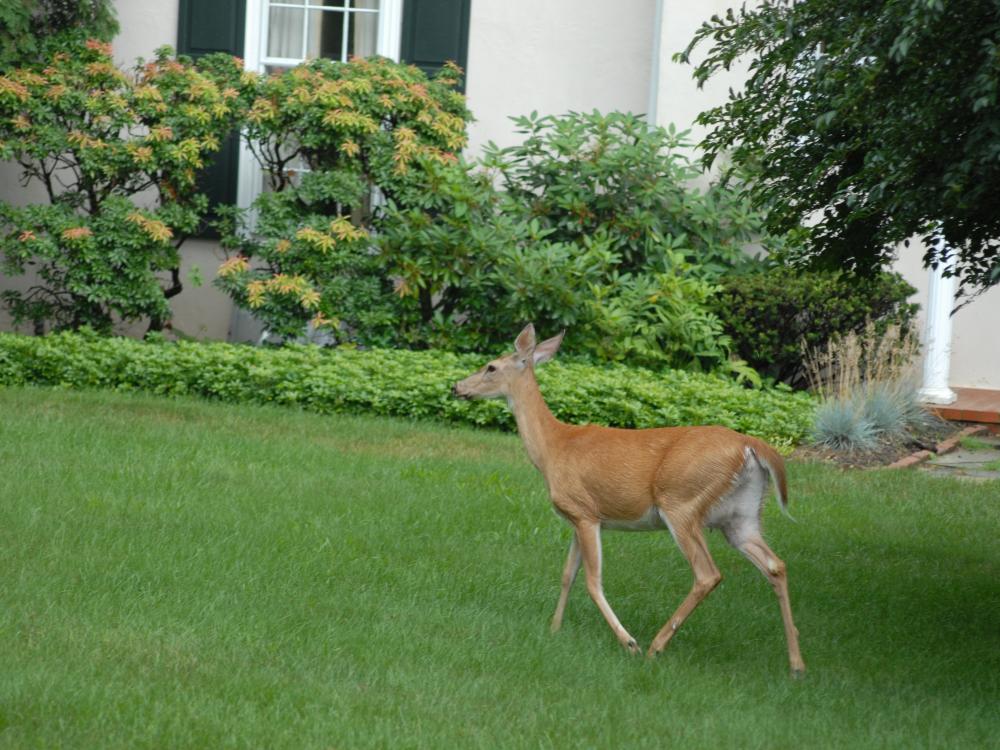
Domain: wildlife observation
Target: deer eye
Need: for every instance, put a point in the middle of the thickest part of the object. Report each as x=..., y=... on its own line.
x=491, y=368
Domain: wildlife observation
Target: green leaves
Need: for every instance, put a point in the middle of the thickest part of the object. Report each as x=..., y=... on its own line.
x=770, y=314
x=866, y=123
x=397, y=383
x=327, y=134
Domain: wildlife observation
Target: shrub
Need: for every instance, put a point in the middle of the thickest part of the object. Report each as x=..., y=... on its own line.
x=397, y=383
x=582, y=175
x=460, y=263
x=31, y=30
x=771, y=314
x=596, y=230
x=94, y=138
x=327, y=134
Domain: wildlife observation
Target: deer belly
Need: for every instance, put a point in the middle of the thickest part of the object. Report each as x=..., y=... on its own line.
x=651, y=520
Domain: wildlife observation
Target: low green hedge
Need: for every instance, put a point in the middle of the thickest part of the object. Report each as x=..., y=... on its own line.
x=397, y=383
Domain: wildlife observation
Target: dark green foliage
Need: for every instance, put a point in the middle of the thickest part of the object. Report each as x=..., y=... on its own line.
x=869, y=122
x=399, y=383
x=31, y=30
x=613, y=176
x=596, y=230
x=447, y=252
x=460, y=263
x=770, y=313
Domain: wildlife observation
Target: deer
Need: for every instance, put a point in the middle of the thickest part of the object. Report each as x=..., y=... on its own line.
x=679, y=479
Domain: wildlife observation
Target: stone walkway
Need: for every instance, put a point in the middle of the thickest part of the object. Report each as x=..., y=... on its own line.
x=976, y=457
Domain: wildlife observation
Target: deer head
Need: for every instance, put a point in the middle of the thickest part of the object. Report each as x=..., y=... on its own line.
x=497, y=378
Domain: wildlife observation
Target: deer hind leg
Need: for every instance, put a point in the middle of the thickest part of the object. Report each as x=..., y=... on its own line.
x=588, y=536
x=706, y=577
x=568, y=577
x=755, y=549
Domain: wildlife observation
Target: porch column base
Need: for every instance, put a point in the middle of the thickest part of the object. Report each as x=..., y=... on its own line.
x=937, y=395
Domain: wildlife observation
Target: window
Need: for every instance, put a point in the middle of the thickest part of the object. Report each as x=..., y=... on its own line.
x=274, y=34
x=283, y=33
x=333, y=29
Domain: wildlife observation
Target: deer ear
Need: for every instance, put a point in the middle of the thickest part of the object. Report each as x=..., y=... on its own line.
x=548, y=348
x=524, y=345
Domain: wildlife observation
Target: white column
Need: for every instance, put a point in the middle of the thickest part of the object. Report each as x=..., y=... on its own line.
x=937, y=336
x=654, y=66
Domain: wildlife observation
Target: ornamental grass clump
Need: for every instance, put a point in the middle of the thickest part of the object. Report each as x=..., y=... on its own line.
x=867, y=385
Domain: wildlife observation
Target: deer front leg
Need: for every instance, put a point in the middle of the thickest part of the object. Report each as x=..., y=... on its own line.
x=570, y=570
x=588, y=535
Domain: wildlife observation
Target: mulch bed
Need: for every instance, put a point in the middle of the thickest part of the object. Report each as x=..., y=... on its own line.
x=927, y=438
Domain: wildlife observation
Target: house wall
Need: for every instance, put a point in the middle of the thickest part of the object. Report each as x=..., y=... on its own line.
x=678, y=98
x=554, y=57
x=975, y=341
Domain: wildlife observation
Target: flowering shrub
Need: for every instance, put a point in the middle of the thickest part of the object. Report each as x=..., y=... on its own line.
x=95, y=137
x=327, y=134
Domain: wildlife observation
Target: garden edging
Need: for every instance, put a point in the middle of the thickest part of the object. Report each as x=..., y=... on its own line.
x=945, y=446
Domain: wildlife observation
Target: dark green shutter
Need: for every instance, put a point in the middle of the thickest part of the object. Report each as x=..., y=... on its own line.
x=435, y=31
x=208, y=26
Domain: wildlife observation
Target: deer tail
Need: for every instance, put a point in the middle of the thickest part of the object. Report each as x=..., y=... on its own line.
x=772, y=461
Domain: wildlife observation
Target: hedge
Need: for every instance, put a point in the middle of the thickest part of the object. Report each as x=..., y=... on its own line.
x=395, y=383
x=770, y=314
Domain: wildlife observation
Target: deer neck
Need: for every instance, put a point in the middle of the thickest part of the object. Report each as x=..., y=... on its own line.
x=535, y=423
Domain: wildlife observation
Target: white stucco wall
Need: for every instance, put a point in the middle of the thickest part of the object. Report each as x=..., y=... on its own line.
x=678, y=98
x=144, y=27
x=553, y=57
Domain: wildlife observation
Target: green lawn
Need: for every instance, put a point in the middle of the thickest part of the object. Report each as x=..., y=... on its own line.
x=176, y=573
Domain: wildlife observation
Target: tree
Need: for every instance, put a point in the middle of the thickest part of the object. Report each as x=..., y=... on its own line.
x=868, y=122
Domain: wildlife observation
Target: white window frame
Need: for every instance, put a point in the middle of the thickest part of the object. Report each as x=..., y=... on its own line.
x=388, y=41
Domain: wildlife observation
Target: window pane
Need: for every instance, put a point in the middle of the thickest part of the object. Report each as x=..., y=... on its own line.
x=364, y=33
x=284, y=33
x=327, y=3
x=365, y=4
x=326, y=34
